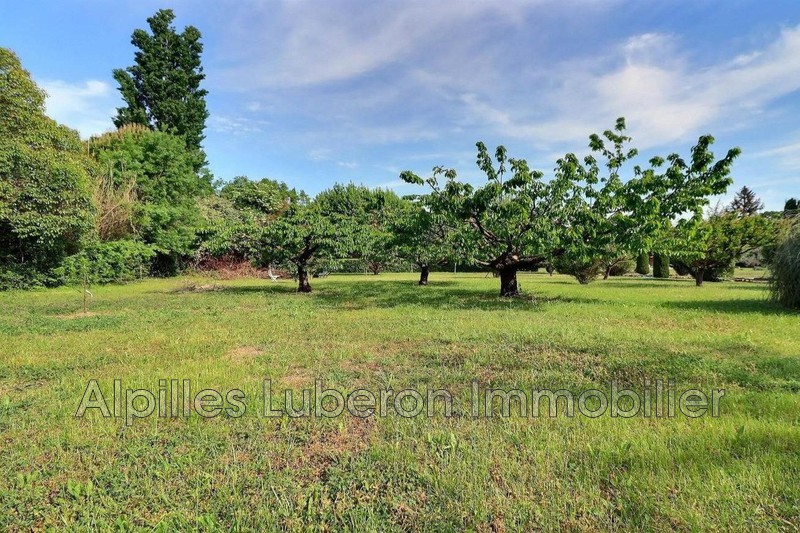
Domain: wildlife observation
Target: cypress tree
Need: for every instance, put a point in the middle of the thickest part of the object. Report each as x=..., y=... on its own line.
x=660, y=266
x=643, y=264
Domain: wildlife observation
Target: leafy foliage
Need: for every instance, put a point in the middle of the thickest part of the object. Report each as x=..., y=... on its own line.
x=107, y=262
x=233, y=222
x=424, y=239
x=161, y=172
x=785, y=268
x=720, y=240
x=583, y=216
x=643, y=263
x=162, y=89
x=791, y=207
x=584, y=271
x=660, y=266
x=300, y=238
x=45, y=185
x=364, y=218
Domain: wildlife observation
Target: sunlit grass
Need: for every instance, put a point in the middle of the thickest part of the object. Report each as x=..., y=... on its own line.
x=733, y=472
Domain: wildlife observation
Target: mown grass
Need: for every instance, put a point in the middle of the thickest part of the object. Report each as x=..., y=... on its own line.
x=738, y=471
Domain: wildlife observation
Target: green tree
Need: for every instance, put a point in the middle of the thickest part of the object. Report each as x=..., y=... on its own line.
x=785, y=268
x=426, y=239
x=299, y=238
x=720, y=240
x=45, y=183
x=643, y=263
x=161, y=171
x=162, y=89
x=365, y=217
x=660, y=266
x=791, y=207
x=583, y=216
x=746, y=203
x=234, y=220
x=268, y=198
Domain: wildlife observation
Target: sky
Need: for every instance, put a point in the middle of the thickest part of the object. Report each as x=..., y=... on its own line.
x=318, y=92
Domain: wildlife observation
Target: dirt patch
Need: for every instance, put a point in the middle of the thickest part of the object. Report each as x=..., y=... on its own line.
x=360, y=367
x=230, y=267
x=199, y=287
x=297, y=377
x=325, y=448
x=243, y=354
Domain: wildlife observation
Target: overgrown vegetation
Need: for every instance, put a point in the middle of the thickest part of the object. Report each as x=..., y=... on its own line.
x=785, y=268
x=46, y=205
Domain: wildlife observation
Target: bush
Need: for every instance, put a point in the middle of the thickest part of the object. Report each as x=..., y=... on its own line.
x=625, y=266
x=660, y=266
x=108, y=262
x=643, y=264
x=26, y=276
x=785, y=267
x=584, y=271
x=714, y=274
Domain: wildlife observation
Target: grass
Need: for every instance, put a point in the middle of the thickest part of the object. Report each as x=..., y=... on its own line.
x=733, y=472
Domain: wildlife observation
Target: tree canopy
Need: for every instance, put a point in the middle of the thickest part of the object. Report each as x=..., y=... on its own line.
x=161, y=171
x=583, y=214
x=46, y=207
x=162, y=89
x=746, y=203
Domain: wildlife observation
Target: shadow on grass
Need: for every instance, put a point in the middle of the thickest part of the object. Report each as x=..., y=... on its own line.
x=760, y=306
x=393, y=293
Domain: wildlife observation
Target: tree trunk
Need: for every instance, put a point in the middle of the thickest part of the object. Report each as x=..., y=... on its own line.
x=508, y=282
x=607, y=274
x=550, y=269
x=302, y=277
x=698, y=276
x=423, y=274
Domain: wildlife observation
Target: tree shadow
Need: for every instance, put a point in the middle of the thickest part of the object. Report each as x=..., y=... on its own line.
x=393, y=293
x=760, y=306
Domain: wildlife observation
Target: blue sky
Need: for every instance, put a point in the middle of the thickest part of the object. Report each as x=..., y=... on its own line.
x=318, y=92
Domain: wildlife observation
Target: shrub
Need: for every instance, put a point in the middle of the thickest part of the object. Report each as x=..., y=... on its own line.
x=584, y=271
x=108, y=262
x=660, y=266
x=715, y=273
x=643, y=264
x=621, y=268
x=785, y=267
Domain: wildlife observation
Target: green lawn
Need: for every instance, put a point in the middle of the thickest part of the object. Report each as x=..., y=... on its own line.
x=738, y=471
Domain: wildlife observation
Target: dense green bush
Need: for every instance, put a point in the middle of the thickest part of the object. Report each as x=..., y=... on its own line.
x=45, y=193
x=621, y=268
x=584, y=271
x=108, y=262
x=162, y=172
x=643, y=264
x=716, y=273
x=785, y=267
x=660, y=266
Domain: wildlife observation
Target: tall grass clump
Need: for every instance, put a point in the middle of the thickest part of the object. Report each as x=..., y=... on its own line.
x=785, y=284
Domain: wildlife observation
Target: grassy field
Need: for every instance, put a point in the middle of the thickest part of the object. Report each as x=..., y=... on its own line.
x=734, y=472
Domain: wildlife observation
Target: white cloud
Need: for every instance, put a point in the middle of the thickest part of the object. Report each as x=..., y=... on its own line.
x=306, y=43
x=662, y=96
x=85, y=106
x=235, y=125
